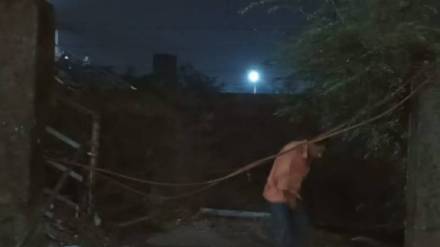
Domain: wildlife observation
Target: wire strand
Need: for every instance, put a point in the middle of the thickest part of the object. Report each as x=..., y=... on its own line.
x=261, y=161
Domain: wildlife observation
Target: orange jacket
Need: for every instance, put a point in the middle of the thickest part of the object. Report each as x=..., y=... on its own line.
x=287, y=174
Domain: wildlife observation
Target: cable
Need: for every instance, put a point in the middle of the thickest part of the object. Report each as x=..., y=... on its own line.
x=373, y=119
x=261, y=161
x=380, y=103
x=161, y=198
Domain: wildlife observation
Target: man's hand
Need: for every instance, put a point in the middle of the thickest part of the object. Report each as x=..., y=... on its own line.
x=292, y=199
x=292, y=203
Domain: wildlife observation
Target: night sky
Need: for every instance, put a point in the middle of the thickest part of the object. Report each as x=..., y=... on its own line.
x=210, y=34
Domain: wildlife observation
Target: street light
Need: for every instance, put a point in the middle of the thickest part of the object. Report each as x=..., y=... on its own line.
x=254, y=77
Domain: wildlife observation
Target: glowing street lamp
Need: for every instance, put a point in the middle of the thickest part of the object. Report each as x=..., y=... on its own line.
x=254, y=77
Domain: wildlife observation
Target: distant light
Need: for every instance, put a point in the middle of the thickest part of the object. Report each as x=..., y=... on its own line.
x=254, y=76
x=66, y=57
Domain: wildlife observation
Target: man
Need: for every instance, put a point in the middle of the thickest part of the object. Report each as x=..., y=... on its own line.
x=282, y=191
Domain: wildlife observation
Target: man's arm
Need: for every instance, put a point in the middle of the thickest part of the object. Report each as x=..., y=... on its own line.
x=292, y=199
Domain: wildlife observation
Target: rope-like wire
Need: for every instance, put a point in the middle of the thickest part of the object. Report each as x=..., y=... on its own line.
x=213, y=182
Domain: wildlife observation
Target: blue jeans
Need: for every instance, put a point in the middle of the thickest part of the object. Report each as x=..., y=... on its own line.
x=290, y=226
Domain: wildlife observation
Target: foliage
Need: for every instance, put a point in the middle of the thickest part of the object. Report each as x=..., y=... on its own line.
x=190, y=80
x=193, y=80
x=355, y=53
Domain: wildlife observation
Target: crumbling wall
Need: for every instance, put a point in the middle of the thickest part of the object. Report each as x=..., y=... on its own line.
x=423, y=187
x=25, y=57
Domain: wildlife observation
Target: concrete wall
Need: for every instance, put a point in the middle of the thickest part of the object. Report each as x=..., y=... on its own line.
x=25, y=55
x=423, y=188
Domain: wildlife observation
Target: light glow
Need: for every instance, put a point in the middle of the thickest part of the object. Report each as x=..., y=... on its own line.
x=254, y=76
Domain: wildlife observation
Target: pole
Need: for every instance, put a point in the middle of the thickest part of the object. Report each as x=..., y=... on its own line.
x=96, y=128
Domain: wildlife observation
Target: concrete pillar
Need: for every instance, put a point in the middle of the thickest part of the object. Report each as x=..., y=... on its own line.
x=423, y=183
x=26, y=52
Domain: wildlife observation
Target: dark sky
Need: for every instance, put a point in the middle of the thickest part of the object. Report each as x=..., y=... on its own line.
x=210, y=34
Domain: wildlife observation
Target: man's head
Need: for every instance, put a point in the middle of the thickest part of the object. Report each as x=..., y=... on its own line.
x=316, y=150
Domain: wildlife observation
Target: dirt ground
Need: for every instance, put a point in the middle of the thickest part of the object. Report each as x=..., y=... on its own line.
x=221, y=232
x=188, y=230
